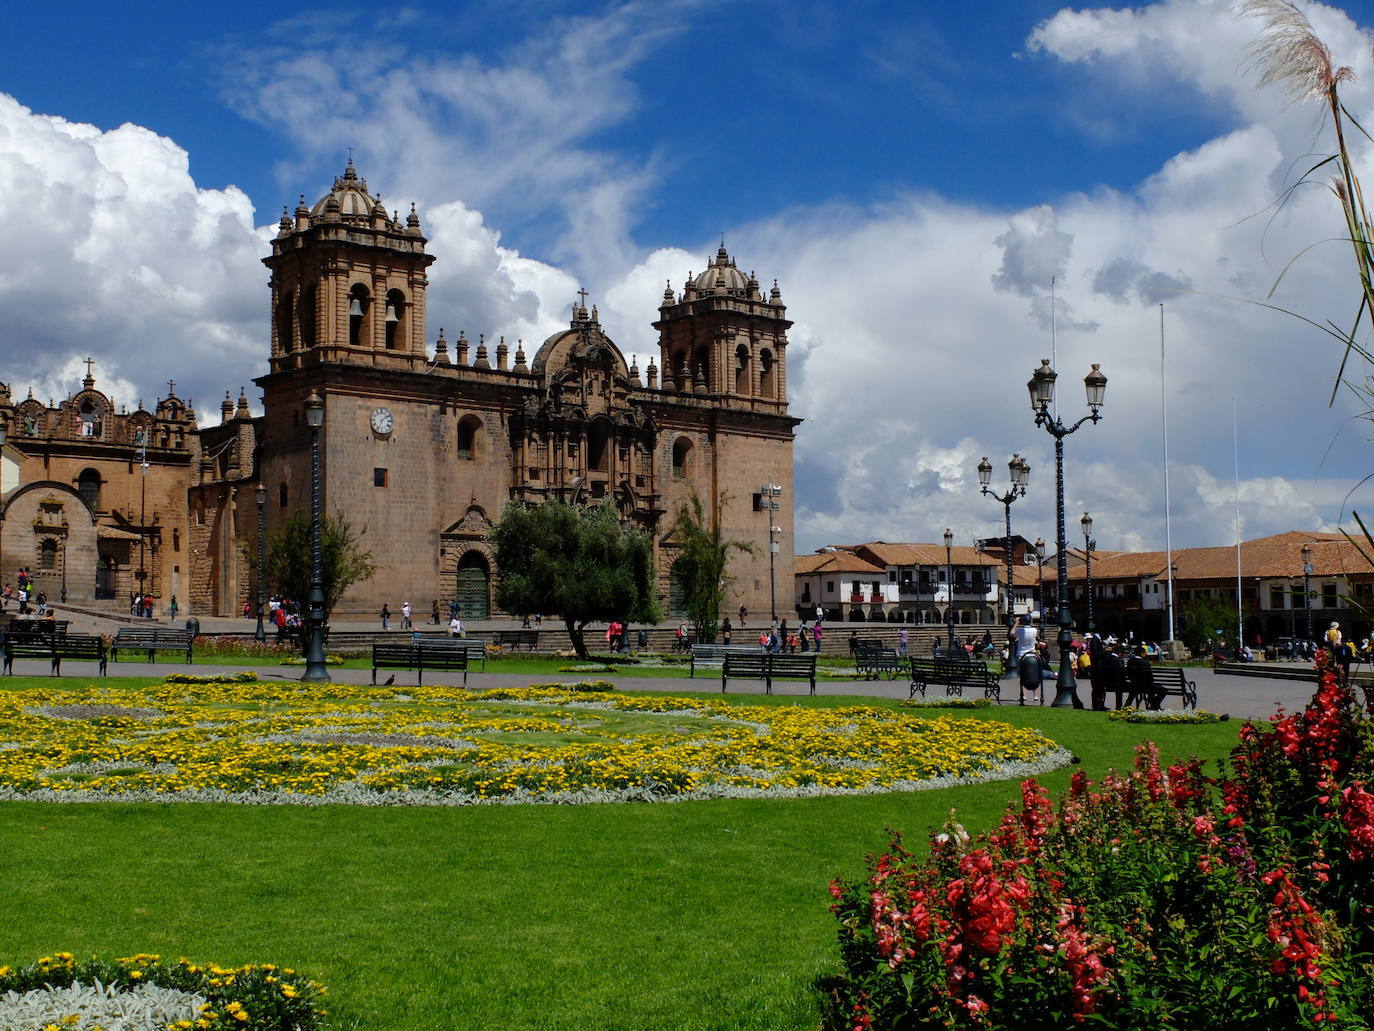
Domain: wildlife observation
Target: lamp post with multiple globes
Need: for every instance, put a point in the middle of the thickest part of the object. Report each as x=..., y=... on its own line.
x=260, y=496
x=949, y=586
x=1020, y=477
x=1041, y=387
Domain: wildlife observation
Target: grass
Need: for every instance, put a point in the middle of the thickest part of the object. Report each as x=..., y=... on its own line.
x=699, y=915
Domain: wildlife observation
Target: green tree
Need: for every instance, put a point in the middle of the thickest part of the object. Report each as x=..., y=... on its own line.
x=578, y=562
x=700, y=565
x=1204, y=622
x=344, y=560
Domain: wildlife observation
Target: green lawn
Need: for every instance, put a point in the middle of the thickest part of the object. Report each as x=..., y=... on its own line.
x=709, y=914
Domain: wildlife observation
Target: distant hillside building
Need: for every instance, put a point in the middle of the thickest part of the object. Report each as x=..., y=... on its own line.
x=423, y=448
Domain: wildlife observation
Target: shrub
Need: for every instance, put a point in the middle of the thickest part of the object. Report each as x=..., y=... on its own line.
x=1154, y=899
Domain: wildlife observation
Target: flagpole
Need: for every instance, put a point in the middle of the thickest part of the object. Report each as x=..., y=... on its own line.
x=1168, y=529
x=1235, y=454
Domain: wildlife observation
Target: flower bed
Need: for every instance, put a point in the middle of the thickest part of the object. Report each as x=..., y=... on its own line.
x=1155, y=899
x=142, y=991
x=264, y=742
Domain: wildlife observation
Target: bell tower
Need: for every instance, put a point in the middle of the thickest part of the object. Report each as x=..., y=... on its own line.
x=348, y=282
x=722, y=337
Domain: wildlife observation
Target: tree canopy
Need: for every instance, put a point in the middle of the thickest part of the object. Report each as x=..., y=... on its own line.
x=699, y=568
x=580, y=563
x=344, y=560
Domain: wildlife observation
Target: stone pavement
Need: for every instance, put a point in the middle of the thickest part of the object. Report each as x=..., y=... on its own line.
x=1241, y=697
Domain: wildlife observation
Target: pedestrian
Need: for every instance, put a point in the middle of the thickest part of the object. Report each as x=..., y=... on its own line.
x=742, y=613
x=820, y=613
x=726, y=632
x=385, y=616
x=452, y=609
x=902, y=642
x=816, y=636
x=42, y=604
x=763, y=640
x=804, y=636
x=455, y=626
x=538, y=620
x=172, y=608
x=434, y=612
x=405, y=616
x=1333, y=636
x=1032, y=676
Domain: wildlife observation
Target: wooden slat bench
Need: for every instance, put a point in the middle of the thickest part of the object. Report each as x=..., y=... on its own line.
x=714, y=655
x=954, y=675
x=152, y=640
x=873, y=661
x=515, y=639
x=445, y=655
x=1148, y=686
x=46, y=629
x=54, y=649
x=765, y=667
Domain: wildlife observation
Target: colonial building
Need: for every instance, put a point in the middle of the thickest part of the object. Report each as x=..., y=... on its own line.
x=882, y=582
x=1130, y=590
x=424, y=448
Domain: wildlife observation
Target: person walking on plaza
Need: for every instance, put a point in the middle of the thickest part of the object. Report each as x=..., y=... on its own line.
x=405, y=616
x=902, y=641
x=816, y=635
x=455, y=627
x=434, y=612
x=385, y=615
x=726, y=632
x=742, y=613
x=172, y=608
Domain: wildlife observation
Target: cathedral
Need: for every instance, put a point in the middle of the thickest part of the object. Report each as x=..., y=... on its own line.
x=422, y=446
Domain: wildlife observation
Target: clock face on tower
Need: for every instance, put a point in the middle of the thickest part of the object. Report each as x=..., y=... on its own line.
x=382, y=421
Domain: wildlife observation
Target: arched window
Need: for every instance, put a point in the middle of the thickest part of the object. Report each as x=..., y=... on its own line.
x=703, y=361
x=469, y=437
x=89, y=417
x=682, y=458
x=767, y=374
x=88, y=486
x=358, y=303
x=47, y=554
x=286, y=322
x=309, y=307
x=742, y=384
x=598, y=447
x=395, y=319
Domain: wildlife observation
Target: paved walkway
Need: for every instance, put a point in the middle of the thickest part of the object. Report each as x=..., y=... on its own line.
x=1241, y=697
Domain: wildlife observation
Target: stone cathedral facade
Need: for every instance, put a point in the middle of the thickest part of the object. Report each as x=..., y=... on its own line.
x=424, y=445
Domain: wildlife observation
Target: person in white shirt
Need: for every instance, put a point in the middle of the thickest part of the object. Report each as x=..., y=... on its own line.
x=1023, y=642
x=455, y=627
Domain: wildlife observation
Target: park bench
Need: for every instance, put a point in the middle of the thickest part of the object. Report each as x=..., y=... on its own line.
x=874, y=660
x=515, y=639
x=751, y=665
x=152, y=640
x=54, y=648
x=954, y=675
x=438, y=655
x=1147, y=687
x=714, y=655
x=45, y=629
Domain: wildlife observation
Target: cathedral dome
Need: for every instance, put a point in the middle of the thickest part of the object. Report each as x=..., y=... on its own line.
x=349, y=199
x=721, y=274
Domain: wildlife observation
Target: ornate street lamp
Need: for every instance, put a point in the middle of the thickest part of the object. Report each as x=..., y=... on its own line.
x=949, y=586
x=1306, y=587
x=769, y=503
x=1040, y=575
x=1020, y=477
x=1088, y=545
x=315, y=668
x=261, y=495
x=1041, y=387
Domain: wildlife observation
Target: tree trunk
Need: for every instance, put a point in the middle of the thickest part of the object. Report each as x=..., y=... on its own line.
x=575, y=636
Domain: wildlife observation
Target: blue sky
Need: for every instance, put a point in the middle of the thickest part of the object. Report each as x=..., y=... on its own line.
x=913, y=174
